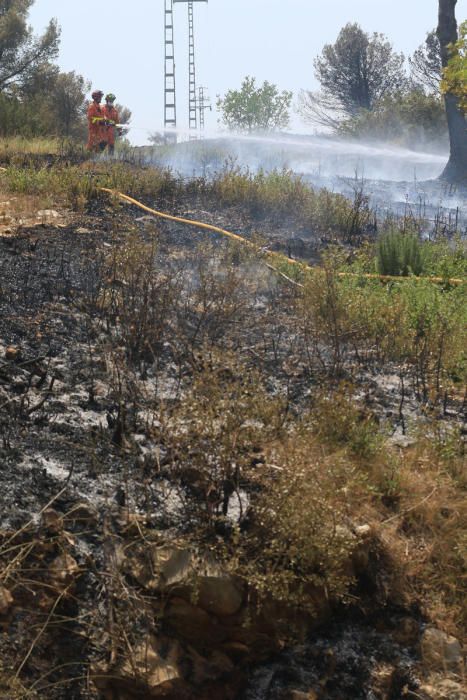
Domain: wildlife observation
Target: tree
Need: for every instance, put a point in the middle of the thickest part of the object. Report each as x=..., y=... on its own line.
x=124, y=114
x=455, y=74
x=425, y=64
x=254, y=108
x=456, y=168
x=21, y=53
x=69, y=99
x=410, y=118
x=358, y=70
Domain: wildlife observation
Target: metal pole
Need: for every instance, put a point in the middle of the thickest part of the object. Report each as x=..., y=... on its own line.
x=192, y=115
x=170, y=106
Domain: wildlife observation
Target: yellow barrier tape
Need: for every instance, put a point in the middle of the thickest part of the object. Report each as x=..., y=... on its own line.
x=271, y=254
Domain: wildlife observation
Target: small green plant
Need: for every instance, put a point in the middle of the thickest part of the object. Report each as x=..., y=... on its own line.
x=399, y=254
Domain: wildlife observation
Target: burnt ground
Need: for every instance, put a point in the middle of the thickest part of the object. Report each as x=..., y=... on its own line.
x=66, y=441
x=57, y=401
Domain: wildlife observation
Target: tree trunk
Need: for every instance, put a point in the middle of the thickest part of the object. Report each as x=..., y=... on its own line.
x=456, y=169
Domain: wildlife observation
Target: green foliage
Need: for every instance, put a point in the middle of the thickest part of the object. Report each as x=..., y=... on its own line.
x=445, y=258
x=22, y=54
x=399, y=254
x=425, y=64
x=68, y=97
x=359, y=69
x=338, y=420
x=455, y=74
x=284, y=193
x=408, y=118
x=298, y=549
x=254, y=108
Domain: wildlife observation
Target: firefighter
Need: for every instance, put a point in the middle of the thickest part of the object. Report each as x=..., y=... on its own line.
x=111, y=117
x=97, y=140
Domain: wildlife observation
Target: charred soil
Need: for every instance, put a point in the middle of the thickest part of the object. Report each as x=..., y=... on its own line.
x=168, y=404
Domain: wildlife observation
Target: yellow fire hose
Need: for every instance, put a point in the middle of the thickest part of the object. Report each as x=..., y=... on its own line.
x=270, y=254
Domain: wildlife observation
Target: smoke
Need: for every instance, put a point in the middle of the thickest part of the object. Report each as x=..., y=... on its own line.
x=394, y=178
x=310, y=155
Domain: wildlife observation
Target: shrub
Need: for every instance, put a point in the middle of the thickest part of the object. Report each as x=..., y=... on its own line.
x=399, y=254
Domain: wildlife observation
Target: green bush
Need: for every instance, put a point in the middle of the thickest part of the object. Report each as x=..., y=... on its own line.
x=411, y=119
x=399, y=254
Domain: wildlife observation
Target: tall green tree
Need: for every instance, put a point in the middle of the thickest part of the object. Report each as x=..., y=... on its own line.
x=455, y=74
x=255, y=108
x=22, y=53
x=456, y=168
x=355, y=73
x=69, y=100
x=425, y=64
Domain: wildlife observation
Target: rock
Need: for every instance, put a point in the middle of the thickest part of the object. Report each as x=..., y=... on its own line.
x=236, y=650
x=64, y=568
x=158, y=568
x=402, y=441
x=440, y=651
x=12, y=353
x=363, y=531
x=217, y=665
x=193, y=624
x=6, y=600
x=83, y=230
x=219, y=596
x=150, y=664
x=48, y=214
x=194, y=578
x=82, y=516
x=52, y=521
x=153, y=671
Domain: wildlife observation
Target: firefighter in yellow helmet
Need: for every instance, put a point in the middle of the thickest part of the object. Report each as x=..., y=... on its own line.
x=111, y=120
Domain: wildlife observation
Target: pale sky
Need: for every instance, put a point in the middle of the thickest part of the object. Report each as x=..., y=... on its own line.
x=119, y=45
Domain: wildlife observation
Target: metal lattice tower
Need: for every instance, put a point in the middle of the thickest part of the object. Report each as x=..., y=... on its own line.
x=170, y=106
x=192, y=101
x=203, y=104
x=192, y=114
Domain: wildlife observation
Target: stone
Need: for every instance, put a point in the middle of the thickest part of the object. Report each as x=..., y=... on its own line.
x=150, y=664
x=440, y=651
x=402, y=441
x=52, y=521
x=201, y=581
x=12, y=353
x=152, y=672
x=363, y=531
x=6, y=600
x=219, y=596
x=48, y=214
x=236, y=650
x=64, y=568
x=82, y=516
x=193, y=624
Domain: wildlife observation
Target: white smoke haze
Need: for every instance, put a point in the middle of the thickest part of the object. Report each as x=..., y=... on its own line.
x=395, y=179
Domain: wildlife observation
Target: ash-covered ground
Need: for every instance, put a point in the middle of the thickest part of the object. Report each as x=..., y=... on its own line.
x=81, y=463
